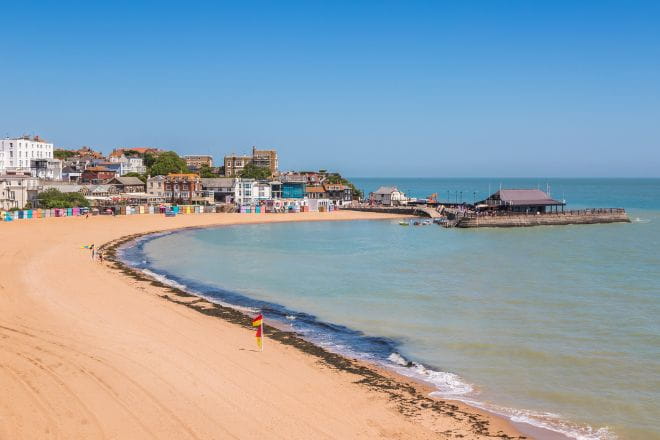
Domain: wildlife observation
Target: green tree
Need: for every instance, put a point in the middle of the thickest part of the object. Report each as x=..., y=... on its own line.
x=206, y=171
x=336, y=178
x=251, y=171
x=148, y=159
x=142, y=177
x=54, y=198
x=63, y=154
x=167, y=163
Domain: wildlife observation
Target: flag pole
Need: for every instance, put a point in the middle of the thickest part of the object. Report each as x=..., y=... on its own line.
x=263, y=336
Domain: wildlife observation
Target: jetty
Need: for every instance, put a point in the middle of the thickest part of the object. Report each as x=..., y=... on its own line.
x=522, y=219
x=417, y=210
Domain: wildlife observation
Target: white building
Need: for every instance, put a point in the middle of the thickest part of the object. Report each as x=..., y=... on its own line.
x=17, y=153
x=251, y=192
x=133, y=164
x=17, y=189
x=388, y=196
x=46, y=169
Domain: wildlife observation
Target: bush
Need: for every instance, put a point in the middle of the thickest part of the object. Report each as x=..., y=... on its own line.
x=54, y=198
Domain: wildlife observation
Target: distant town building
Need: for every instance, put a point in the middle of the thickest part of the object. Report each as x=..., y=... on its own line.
x=118, y=152
x=128, y=184
x=234, y=163
x=265, y=159
x=17, y=188
x=340, y=194
x=16, y=153
x=46, y=169
x=176, y=187
x=220, y=189
x=131, y=163
x=388, y=196
x=195, y=162
x=97, y=175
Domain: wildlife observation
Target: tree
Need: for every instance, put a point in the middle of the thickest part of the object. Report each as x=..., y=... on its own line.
x=54, y=198
x=335, y=178
x=251, y=171
x=148, y=159
x=206, y=171
x=63, y=154
x=168, y=163
x=142, y=177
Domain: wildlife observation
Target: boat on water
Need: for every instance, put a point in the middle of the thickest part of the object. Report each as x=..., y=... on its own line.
x=404, y=223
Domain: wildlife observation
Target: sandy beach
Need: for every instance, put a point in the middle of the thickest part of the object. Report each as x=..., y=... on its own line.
x=88, y=351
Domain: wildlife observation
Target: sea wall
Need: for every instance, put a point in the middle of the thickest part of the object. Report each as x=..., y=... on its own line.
x=405, y=210
x=572, y=218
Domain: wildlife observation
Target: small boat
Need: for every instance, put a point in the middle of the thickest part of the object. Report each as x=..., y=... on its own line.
x=404, y=223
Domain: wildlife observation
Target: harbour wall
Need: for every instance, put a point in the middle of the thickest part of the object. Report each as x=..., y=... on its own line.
x=582, y=217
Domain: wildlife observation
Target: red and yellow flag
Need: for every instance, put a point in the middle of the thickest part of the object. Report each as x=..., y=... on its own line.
x=259, y=323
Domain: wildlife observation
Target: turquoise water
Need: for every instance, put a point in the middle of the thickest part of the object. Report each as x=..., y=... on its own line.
x=554, y=326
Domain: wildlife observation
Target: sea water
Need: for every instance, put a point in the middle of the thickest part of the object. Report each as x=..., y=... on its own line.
x=558, y=326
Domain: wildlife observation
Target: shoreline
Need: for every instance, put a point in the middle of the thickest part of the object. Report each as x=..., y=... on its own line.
x=422, y=387
x=421, y=416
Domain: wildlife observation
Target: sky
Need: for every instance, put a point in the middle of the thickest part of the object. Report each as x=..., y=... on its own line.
x=368, y=88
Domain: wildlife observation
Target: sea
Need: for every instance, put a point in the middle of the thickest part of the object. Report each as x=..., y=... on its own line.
x=556, y=327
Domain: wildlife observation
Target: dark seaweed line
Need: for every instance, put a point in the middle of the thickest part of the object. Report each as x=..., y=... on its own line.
x=408, y=399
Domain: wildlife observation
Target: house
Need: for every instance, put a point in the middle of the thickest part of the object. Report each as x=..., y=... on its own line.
x=97, y=175
x=17, y=189
x=221, y=189
x=197, y=161
x=46, y=169
x=388, y=196
x=234, y=164
x=339, y=193
x=128, y=184
x=520, y=200
x=179, y=188
x=70, y=174
x=131, y=163
x=316, y=192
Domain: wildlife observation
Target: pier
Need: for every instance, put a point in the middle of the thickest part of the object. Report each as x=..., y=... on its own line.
x=520, y=219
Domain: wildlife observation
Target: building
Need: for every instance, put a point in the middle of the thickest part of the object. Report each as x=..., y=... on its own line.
x=118, y=152
x=97, y=175
x=178, y=188
x=388, y=196
x=17, y=188
x=46, y=169
x=133, y=163
x=128, y=184
x=17, y=153
x=220, y=189
x=339, y=193
x=195, y=162
x=293, y=190
x=234, y=164
x=316, y=192
x=520, y=200
x=265, y=159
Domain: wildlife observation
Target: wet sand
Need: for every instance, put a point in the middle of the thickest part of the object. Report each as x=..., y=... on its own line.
x=91, y=350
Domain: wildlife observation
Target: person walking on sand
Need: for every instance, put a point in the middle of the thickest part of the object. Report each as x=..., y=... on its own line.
x=93, y=251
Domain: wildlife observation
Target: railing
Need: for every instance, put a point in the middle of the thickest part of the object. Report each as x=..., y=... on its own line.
x=573, y=212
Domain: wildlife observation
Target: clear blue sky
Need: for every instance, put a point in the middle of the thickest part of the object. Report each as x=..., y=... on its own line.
x=405, y=88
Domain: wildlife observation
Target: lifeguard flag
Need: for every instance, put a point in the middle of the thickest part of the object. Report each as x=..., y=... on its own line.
x=259, y=337
x=256, y=322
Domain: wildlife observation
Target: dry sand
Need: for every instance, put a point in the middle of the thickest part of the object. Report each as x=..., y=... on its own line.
x=89, y=352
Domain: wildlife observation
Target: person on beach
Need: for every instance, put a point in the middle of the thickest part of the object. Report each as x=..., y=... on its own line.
x=93, y=251
x=100, y=257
